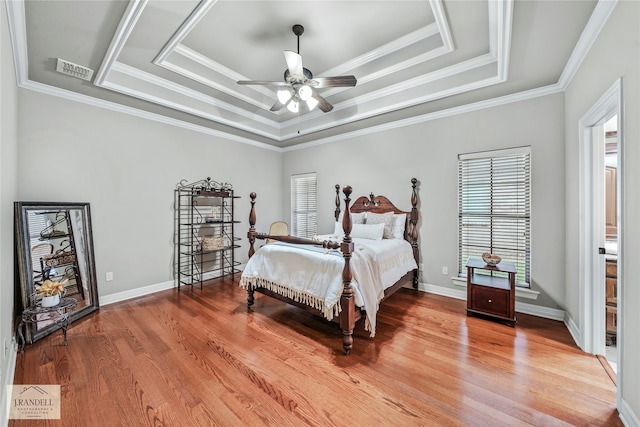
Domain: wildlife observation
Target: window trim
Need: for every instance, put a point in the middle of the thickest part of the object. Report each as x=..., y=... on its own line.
x=508, y=152
x=314, y=228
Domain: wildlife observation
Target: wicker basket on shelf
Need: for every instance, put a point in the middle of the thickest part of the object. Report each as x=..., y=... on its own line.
x=212, y=243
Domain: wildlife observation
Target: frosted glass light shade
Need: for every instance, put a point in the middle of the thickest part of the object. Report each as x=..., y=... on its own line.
x=312, y=103
x=283, y=96
x=293, y=106
x=305, y=93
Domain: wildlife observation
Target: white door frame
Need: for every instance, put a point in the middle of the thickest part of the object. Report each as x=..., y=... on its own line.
x=592, y=219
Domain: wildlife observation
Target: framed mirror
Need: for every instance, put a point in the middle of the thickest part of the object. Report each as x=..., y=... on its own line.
x=54, y=242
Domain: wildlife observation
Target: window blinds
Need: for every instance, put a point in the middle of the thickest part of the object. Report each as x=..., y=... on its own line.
x=494, y=208
x=303, y=205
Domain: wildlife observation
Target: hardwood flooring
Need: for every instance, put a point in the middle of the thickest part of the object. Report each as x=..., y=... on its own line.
x=198, y=358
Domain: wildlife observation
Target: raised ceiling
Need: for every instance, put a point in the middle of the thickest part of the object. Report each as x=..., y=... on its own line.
x=180, y=60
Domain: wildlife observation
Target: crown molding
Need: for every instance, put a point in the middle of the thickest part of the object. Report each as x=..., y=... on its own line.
x=136, y=112
x=18, y=31
x=442, y=23
x=17, y=28
x=592, y=30
x=125, y=27
x=463, y=109
x=194, y=18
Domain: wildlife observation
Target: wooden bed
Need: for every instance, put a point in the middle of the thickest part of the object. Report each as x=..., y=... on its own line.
x=349, y=314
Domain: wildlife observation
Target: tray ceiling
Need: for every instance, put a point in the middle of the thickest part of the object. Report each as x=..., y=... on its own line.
x=181, y=59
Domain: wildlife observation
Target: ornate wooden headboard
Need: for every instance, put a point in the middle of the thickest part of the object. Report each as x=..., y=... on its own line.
x=380, y=204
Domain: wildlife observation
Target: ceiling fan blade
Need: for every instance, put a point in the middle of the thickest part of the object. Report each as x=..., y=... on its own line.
x=323, y=104
x=277, y=106
x=337, y=81
x=294, y=63
x=261, y=83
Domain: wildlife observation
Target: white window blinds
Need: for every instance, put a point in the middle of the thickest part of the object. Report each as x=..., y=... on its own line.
x=303, y=205
x=494, y=208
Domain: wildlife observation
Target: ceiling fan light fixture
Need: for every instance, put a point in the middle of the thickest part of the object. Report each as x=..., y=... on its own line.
x=305, y=92
x=293, y=106
x=312, y=103
x=283, y=95
x=300, y=84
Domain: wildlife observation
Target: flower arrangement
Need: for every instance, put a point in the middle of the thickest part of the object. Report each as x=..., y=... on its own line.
x=49, y=288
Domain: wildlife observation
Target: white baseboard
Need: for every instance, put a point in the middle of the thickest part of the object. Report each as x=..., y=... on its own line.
x=10, y=369
x=628, y=418
x=146, y=290
x=573, y=330
x=135, y=293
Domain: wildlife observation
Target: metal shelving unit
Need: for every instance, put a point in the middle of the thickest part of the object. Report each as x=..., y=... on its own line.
x=204, y=240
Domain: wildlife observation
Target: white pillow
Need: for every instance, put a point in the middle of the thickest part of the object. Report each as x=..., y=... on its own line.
x=386, y=219
x=368, y=231
x=356, y=218
x=399, y=221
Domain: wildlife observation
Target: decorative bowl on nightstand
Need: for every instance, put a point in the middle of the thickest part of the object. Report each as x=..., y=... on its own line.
x=491, y=259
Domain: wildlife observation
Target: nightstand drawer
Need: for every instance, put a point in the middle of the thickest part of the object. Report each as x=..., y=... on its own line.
x=490, y=300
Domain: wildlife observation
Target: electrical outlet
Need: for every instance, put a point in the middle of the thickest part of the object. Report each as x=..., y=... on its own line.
x=445, y=270
x=108, y=276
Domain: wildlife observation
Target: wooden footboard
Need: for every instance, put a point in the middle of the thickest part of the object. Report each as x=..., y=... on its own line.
x=348, y=315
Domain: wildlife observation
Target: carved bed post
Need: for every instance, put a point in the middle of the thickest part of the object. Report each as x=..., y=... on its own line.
x=347, y=304
x=413, y=229
x=337, y=211
x=251, y=235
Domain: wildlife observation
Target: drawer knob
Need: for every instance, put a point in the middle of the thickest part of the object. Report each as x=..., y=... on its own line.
x=489, y=300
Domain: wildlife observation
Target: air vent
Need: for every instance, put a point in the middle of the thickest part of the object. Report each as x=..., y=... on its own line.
x=74, y=70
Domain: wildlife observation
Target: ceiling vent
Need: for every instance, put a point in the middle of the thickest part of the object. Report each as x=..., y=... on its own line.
x=74, y=70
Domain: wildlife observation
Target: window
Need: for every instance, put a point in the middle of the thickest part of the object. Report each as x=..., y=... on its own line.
x=494, y=208
x=303, y=205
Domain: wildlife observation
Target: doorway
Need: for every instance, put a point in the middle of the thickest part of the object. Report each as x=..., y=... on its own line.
x=599, y=321
x=611, y=198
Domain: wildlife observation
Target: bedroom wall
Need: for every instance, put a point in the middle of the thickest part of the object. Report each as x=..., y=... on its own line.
x=8, y=191
x=384, y=162
x=127, y=168
x=615, y=54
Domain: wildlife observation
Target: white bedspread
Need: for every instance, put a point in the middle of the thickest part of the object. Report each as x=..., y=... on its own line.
x=313, y=275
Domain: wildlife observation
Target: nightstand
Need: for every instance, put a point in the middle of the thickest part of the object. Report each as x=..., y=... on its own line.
x=489, y=295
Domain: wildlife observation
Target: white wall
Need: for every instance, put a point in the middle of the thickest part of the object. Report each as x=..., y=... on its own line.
x=614, y=55
x=127, y=169
x=385, y=162
x=8, y=191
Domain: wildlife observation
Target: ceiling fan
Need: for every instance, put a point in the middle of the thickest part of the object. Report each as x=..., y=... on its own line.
x=299, y=86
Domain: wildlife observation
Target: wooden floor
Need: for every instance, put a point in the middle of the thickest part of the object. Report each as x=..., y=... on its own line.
x=197, y=357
